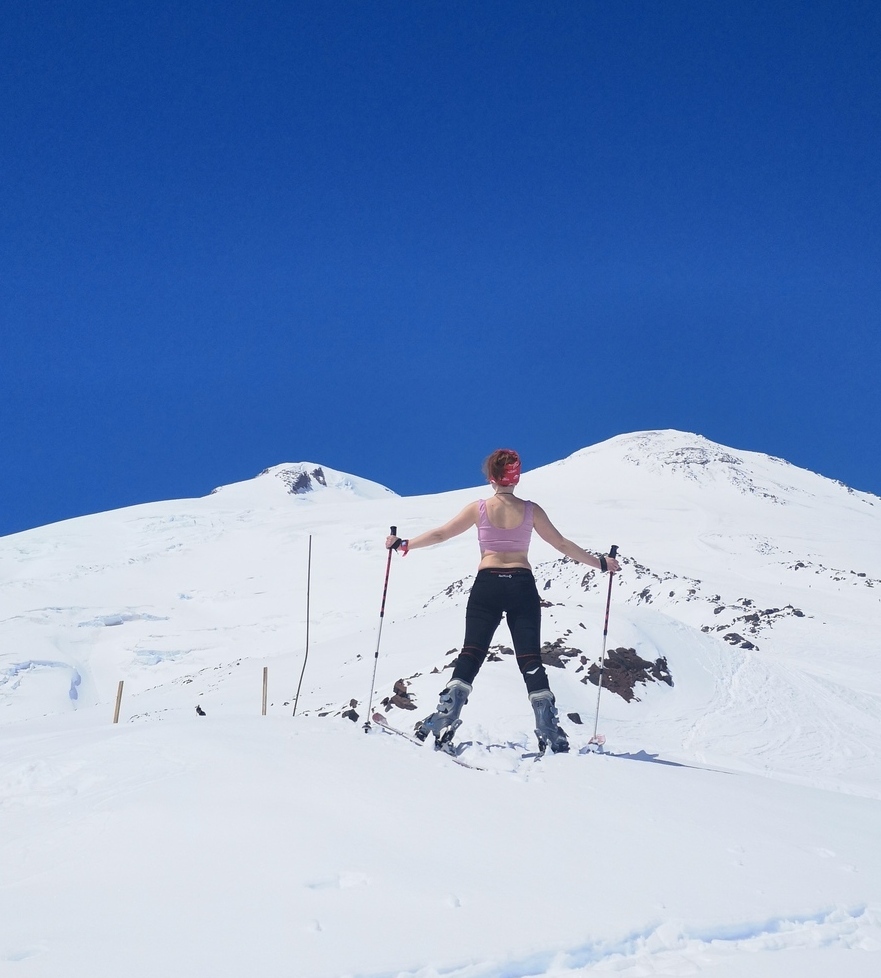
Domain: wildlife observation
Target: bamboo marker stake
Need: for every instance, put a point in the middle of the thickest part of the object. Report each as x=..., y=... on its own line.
x=118, y=701
x=265, y=684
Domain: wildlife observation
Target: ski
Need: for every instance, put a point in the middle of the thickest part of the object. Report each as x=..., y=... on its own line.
x=592, y=748
x=537, y=755
x=447, y=749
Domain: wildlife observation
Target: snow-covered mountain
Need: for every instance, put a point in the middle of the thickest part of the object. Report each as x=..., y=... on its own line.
x=304, y=478
x=742, y=638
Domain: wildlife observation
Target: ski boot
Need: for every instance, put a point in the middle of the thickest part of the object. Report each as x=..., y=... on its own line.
x=444, y=722
x=547, y=727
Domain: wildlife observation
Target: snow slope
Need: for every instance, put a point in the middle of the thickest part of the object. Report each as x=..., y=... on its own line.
x=738, y=837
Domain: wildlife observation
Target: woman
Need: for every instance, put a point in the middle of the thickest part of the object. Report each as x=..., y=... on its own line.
x=504, y=585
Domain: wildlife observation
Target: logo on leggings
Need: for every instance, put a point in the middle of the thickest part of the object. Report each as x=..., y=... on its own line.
x=510, y=577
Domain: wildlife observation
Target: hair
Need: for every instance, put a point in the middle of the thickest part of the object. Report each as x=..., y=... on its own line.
x=494, y=465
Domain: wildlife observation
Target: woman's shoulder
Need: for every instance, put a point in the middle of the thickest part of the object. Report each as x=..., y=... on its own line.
x=537, y=510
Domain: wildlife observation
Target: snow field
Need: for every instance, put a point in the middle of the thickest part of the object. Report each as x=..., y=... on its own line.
x=226, y=846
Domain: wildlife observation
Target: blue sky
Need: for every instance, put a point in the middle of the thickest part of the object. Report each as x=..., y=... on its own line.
x=392, y=236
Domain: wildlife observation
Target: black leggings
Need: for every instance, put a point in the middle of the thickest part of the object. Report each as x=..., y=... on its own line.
x=513, y=593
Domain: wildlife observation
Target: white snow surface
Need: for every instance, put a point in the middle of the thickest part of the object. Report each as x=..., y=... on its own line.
x=739, y=837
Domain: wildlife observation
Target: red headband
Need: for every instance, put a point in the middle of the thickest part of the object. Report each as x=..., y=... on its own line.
x=511, y=473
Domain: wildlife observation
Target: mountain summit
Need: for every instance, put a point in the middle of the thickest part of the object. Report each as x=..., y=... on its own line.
x=685, y=458
x=302, y=478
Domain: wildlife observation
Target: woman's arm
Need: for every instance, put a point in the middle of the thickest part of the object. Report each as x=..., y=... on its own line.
x=459, y=524
x=550, y=534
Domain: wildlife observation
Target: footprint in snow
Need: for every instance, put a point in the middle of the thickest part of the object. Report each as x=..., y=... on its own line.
x=343, y=881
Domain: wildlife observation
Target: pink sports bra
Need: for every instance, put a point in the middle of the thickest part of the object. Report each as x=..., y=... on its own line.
x=493, y=539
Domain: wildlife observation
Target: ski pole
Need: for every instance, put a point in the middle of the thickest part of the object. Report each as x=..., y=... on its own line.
x=600, y=739
x=388, y=566
x=308, y=595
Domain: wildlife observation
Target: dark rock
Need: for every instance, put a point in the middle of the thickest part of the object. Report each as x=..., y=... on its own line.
x=400, y=698
x=556, y=653
x=732, y=638
x=624, y=669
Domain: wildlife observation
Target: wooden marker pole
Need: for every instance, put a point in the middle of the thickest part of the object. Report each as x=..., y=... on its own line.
x=308, y=598
x=118, y=701
x=265, y=684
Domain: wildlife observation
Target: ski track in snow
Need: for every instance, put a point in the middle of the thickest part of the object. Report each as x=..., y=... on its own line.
x=675, y=949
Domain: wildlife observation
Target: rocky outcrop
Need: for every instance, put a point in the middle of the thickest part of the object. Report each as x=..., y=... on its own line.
x=625, y=670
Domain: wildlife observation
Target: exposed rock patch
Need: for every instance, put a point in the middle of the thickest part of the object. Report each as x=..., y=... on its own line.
x=754, y=622
x=625, y=670
x=299, y=481
x=400, y=698
x=557, y=653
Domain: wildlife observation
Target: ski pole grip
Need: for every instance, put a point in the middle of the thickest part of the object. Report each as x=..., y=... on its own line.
x=394, y=530
x=613, y=550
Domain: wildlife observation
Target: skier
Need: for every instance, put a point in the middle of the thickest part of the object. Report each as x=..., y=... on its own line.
x=504, y=584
